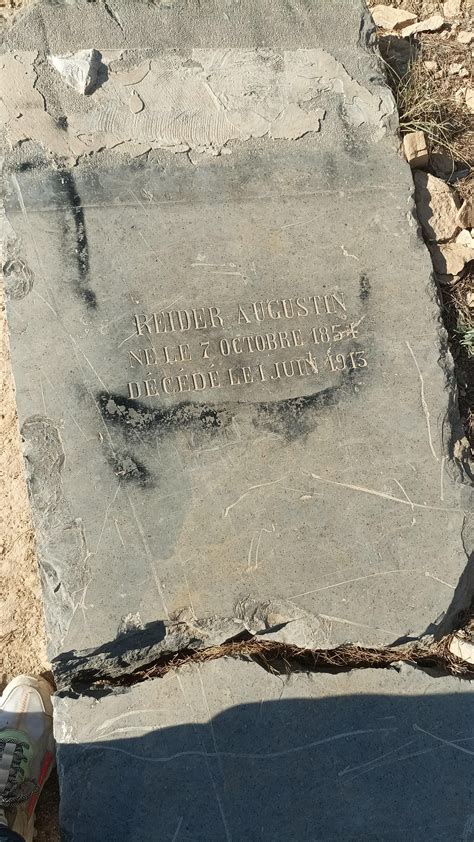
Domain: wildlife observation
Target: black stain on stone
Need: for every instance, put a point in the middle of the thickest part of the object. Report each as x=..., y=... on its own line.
x=364, y=286
x=134, y=417
x=81, y=248
x=294, y=417
x=129, y=469
x=290, y=417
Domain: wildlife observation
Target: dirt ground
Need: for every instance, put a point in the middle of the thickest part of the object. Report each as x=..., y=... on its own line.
x=22, y=634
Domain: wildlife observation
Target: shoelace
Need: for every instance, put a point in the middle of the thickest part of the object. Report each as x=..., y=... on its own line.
x=16, y=790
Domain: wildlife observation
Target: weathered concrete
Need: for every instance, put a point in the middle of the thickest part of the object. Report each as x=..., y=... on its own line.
x=226, y=751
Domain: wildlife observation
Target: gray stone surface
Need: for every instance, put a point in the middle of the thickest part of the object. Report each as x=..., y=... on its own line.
x=238, y=414
x=226, y=751
x=280, y=432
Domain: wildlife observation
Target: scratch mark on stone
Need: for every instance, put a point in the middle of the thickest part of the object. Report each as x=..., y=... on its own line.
x=259, y=532
x=152, y=250
x=149, y=555
x=441, y=479
x=217, y=754
x=106, y=516
x=33, y=239
x=114, y=719
x=441, y=581
x=383, y=495
x=183, y=563
x=404, y=492
x=370, y=764
x=423, y=400
x=89, y=363
x=252, y=488
x=118, y=532
x=42, y=395
x=440, y=740
x=302, y=222
x=352, y=623
x=176, y=833
x=244, y=756
x=349, y=581
x=347, y=254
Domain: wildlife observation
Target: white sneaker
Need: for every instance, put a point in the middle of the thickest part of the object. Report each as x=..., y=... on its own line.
x=26, y=749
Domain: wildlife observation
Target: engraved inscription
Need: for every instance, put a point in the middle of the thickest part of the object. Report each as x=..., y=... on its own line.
x=315, y=336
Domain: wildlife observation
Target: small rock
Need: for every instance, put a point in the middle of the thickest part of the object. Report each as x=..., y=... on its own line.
x=469, y=99
x=463, y=73
x=415, y=149
x=443, y=165
x=452, y=8
x=431, y=24
x=465, y=215
x=454, y=68
x=136, y=103
x=387, y=17
x=450, y=259
x=463, y=649
x=465, y=37
x=431, y=66
x=437, y=208
x=79, y=70
x=464, y=238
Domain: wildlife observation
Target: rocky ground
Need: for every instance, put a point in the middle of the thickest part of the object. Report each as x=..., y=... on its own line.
x=428, y=49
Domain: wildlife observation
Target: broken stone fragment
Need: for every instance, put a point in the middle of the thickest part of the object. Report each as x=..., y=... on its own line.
x=319, y=756
x=451, y=8
x=389, y=18
x=431, y=24
x=462, y=648
x=415, y=149
x=450, y=258
x=442, y=164
x=454, y=68
x=469, y=99
x=465, y=215
x=465, y=37
x=431, y=66
x=465, y=238
x=437, y=207
x=79, y=70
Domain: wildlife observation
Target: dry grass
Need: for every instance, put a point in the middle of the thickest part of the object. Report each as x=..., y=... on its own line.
x=430, y=103
x=433, y=101
x=283, y=658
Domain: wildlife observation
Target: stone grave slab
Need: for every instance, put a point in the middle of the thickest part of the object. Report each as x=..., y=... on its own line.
x=226, y=751
x=238, y=413
x=232, y=380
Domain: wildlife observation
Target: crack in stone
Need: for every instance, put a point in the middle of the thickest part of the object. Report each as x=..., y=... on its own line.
x=80, y=673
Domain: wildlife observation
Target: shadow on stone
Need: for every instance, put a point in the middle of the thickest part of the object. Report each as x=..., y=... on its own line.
x=350, y=767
